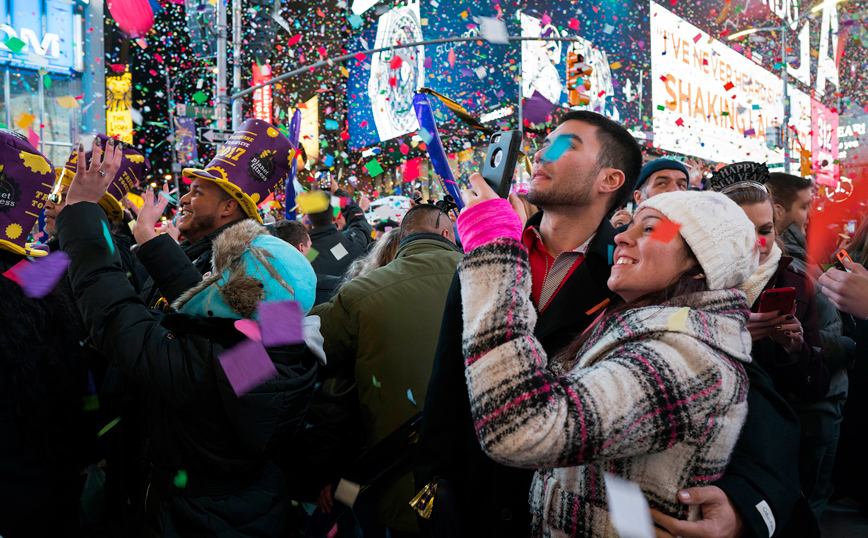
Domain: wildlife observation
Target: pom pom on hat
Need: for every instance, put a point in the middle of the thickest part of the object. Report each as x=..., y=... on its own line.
x=717, y=231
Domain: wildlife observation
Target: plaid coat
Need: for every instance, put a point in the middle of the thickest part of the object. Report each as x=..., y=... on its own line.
x=659, y=407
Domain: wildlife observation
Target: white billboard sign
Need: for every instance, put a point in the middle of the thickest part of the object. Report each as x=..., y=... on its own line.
x=708, y=100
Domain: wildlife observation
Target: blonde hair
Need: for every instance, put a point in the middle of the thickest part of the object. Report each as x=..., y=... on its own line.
x=381, y=254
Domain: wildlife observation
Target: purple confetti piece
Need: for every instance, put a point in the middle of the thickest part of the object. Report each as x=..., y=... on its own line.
x=247, y=365
x=750, y=132
x=39, y=277
x=537, y=108
x=281, y=323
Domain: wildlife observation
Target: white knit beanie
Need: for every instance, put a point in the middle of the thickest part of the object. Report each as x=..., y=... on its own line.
x=717, y=231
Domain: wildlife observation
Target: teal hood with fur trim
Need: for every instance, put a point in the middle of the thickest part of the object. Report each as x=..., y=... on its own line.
x=248, y=266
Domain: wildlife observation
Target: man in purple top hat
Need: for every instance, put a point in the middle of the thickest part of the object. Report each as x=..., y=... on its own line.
x=244, y=172
x=42, y=377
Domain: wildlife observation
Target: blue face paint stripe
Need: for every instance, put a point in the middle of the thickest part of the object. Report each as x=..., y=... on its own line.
x=108, y=238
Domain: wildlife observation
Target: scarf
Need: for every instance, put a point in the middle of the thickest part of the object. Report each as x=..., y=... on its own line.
x=758, y=280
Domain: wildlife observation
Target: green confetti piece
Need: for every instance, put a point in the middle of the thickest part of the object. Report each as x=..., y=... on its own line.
x=311, y=254
x=180, y=480
x=91, y=403
x=46, y=80
x=200, y=97
x=14, y=44
x=337, y=211
x=108, y=426
x=108, y=238
x=660, y=107
x=374, y=168
x=375, y=382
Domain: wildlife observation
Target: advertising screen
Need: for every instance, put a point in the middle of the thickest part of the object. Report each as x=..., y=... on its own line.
x=611, y=41
x=824, y=144
x=49, y=36
x=478, y=74
x=707, y=99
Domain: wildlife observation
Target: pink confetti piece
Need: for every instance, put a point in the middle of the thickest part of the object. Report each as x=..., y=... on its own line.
x=281, y=323
x=249, y=328
x=39, y=277
x=247, y=365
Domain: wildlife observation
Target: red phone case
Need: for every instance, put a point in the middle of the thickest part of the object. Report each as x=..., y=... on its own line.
x=778, y=299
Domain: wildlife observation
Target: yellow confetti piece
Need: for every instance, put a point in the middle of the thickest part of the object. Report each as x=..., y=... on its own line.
x=24, y=120
x=313, y=202
x=678, y=320
x=616, y=65
x=67, y=102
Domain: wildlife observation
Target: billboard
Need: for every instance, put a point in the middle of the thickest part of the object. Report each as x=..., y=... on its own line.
x=824, y=144
x=708, y=100
x=262, y=97
x=477, y=74
x=119, y=118
x=612, y=42
x=51, y=38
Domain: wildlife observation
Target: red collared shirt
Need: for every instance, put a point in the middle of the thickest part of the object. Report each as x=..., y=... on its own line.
x=548, y=274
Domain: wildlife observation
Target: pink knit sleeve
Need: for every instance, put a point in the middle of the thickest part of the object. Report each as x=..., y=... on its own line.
x=487, y=221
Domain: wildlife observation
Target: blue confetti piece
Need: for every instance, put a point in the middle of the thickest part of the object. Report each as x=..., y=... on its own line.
x=410, y=397
x=355, y=20
x=611, y=254
x=329, y=160
x=556, y=149
x=331, y=125
x=169, y=198
x=108, y=238
x=425, y=135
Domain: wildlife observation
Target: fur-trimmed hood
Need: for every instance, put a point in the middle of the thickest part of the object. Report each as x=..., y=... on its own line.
x=250, y=265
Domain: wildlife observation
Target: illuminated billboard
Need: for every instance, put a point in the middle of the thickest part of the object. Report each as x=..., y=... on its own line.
x=708, y=100
x=480, y=75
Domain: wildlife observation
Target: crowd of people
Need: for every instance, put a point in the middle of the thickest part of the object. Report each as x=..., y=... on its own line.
x=472, y=373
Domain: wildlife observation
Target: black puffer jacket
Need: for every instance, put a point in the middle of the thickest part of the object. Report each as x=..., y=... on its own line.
x=197, y=424
x=353, y=240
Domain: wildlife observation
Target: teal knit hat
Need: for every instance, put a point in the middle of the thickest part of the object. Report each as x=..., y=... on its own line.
x=250, y=266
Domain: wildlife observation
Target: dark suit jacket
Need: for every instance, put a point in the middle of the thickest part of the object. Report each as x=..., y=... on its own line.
x=492, y=499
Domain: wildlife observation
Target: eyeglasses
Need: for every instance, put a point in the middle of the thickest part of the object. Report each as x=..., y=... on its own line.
x=57, y=197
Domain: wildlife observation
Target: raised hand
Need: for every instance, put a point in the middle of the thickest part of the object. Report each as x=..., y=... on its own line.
x=91, y=182
x=149, y=215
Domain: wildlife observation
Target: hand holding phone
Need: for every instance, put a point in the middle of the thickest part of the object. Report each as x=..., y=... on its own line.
x=500, y=161
x=777, y=300
x=839, y=261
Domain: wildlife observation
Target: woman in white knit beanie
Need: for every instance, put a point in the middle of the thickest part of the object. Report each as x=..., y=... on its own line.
x=654, y=391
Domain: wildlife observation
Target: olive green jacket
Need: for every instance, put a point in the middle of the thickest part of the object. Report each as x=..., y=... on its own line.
x=387, y=324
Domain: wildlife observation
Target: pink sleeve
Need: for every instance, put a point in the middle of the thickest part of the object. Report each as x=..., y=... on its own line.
x=487, y=221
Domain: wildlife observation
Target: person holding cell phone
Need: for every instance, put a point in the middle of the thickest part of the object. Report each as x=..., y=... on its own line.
x=783, y=320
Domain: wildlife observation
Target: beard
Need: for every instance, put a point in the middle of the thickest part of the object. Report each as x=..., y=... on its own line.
x=572, y=191
x=199, y=226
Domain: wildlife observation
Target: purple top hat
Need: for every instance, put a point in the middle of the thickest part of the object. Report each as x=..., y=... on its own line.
x=26, y=179
x=133, y=168
x=250, y=165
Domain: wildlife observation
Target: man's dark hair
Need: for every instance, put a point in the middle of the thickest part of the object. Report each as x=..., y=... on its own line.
x=291, y=231
x=323, y=218
x=785, y=188
x=422, y=218
x=381, y=226
x=618, y=149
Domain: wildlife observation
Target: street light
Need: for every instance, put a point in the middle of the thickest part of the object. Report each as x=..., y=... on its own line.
x=785, y=124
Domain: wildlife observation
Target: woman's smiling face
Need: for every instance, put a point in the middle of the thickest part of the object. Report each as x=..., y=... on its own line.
x=644, y=265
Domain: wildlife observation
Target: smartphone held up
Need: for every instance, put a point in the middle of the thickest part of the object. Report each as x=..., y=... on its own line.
x=501, y=159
